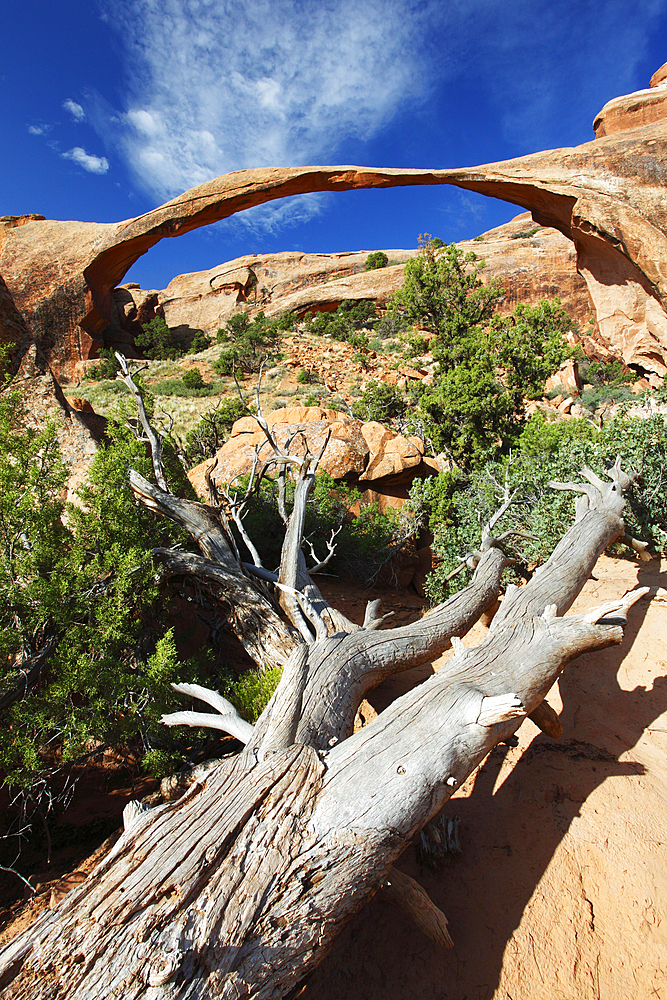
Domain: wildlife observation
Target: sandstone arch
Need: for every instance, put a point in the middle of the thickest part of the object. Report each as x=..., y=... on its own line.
x=606, y=195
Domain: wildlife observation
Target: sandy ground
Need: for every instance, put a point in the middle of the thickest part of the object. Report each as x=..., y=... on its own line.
x=560, y=892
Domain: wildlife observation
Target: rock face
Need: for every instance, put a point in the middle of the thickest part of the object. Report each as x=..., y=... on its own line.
x=607, y=196
x=78, y=433
x=533, y=262
x=634, y=110
x=275, y=283
x=367, y=455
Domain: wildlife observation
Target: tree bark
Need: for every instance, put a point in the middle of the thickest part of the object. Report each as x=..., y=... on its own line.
x=240, y=887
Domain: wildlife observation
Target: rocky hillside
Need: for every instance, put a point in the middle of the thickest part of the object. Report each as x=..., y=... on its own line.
x=534, y=262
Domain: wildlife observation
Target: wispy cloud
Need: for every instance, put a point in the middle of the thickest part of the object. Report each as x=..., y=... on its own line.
x=76, y=111
x=38, y=129
x=213, y=87
x=216, y=87
x=93, y=164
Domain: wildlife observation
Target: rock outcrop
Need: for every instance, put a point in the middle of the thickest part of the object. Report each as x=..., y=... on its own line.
x=533, y=262
x=607, y=196
x=367, y=455
x=644, y=107
x=78, y=432
x=290, y=281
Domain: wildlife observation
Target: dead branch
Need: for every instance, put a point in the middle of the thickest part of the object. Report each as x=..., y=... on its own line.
x=152, y=436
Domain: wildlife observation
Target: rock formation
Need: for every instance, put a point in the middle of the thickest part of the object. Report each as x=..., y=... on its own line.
x=607, y=196
x=78, y=432
x=644, y=107
x=367, y=455
x=533, y=262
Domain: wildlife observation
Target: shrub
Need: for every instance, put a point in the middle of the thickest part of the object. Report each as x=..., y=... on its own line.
x=607, y=382
x=457, y=506
x=177, y=387
x=107, y=367
x=204, y=440
x=252, y=343
x=487, y=365
x=443, y=292
x=193, y=379
x=252, y=692
x=81, y=577
x=376, y=260
x=380, y=401
x=345, y=323
x=156, y=341
x=305, y=377
x=199, y=342
x=363, y=545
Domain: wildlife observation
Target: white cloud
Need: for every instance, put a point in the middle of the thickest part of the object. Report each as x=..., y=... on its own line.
x=212, y=86
x=37, y=129
x=76, y=111
x=216, y=88
x=93, y=164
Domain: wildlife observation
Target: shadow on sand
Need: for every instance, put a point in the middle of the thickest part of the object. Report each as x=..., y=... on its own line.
x=510, y=832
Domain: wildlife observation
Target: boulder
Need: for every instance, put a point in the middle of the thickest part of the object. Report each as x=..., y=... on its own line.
x=365, y=454
x=567, y=377
x=79, y=404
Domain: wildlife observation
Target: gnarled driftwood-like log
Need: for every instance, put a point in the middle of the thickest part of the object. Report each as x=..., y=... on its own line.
x=240, y=886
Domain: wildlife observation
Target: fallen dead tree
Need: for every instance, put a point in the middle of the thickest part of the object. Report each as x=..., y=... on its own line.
x=240, y=886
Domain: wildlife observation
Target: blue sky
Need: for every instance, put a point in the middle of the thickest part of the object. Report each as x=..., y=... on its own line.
x=109, y=109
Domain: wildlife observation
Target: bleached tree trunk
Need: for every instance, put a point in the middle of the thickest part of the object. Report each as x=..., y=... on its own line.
x=239, y=888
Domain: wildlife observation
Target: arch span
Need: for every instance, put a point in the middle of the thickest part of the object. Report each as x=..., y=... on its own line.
x=606, y=195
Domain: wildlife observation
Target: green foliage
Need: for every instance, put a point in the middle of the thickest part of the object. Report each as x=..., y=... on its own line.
x=213, y=430
x=361, y=360
x=346, y=323
x=252, y=342
x=530, y=346
x=156, y=341
x=605, y=382
x=525, y=233
x=179, y=387
x=488, y=366
x=361, y=546
x=252, y=692
x=376, y=260
x=392, y=325
x=199, y=342
x=443, y=292
x=305, y=377
x=82, y=576
x=380, y=401
x=458, y=507
x=106, y=368
x=193, y=379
